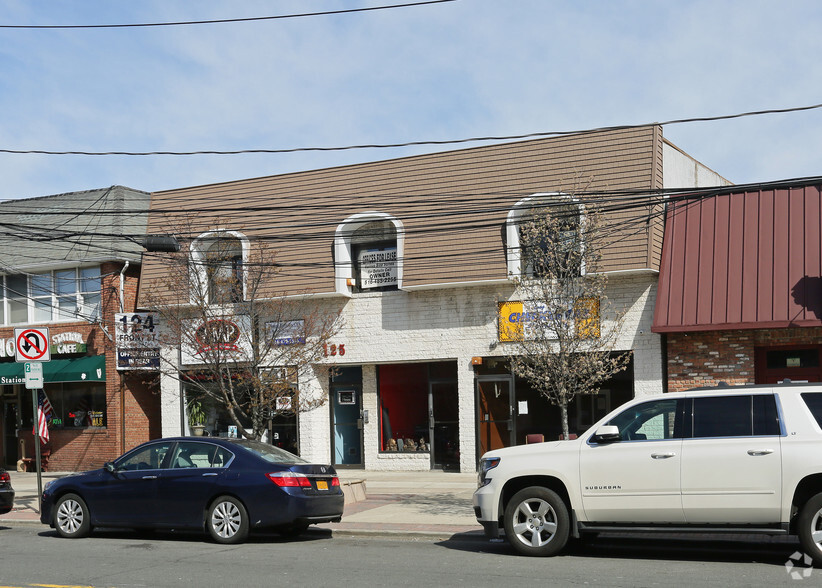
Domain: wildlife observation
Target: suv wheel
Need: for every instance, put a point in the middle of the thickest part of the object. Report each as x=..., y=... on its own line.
x=810, y=528
x=536, y=521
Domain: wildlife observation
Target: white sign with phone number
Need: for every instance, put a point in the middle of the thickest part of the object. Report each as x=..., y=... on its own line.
x=378, y=267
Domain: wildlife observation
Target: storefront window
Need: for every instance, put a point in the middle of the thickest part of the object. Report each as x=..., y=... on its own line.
x=218, y=423
x=419, y=411
x=74, y=405
x=404, y=405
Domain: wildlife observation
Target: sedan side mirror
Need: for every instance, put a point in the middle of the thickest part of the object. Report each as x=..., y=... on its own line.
x=607, y=434
x=109, y=467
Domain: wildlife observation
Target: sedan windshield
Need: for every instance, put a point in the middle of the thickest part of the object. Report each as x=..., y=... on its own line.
x=269, y=453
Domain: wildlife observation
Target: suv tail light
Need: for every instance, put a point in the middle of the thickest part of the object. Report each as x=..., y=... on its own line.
x=289, y=480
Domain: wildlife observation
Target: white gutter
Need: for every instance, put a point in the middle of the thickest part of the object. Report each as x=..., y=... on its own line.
x=123, y=286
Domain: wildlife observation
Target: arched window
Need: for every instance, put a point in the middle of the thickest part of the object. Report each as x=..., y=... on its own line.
x=218, y=259
x=368, y=250
x=565, y=237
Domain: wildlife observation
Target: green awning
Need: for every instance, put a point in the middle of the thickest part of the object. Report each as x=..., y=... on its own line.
x=82, y=369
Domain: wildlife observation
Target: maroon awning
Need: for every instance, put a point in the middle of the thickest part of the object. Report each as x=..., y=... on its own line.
x=742, y=260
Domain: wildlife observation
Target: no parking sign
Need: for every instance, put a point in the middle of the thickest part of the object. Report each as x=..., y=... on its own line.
x=31, y=344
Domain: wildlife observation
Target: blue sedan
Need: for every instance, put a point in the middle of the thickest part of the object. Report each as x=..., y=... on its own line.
x=225, y=486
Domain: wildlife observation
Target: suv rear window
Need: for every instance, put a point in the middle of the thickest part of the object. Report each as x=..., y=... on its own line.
x=814, y=402
x=735, y=416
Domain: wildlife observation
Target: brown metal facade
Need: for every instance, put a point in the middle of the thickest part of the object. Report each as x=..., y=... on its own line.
x=453, y=206
x=750, y=259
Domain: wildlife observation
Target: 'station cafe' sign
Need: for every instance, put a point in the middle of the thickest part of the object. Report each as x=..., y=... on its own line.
x=59, y=344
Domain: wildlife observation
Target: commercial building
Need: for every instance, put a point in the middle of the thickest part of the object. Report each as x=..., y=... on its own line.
x=70, y=263
x=740, y=293
x=419, y=256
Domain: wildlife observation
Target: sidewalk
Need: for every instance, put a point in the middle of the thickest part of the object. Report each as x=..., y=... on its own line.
x=431, y=504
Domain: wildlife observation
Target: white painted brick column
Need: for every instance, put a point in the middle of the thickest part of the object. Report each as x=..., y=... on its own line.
x=467, y=415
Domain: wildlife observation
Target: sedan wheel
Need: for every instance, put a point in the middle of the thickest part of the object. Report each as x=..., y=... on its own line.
x=71, y=517
x=810, y=528
x=227, y=520
x=536, y=522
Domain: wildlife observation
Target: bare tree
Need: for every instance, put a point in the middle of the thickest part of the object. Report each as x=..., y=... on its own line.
x=564, y=348
x=242, y=345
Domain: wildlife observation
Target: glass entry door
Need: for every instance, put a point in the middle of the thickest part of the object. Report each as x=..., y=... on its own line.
x=495, y=422
x=443, y=411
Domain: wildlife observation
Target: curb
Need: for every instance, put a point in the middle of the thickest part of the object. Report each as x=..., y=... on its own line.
x=394, y=533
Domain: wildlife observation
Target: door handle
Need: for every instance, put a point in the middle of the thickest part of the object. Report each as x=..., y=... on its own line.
x=663, y=455
x=757, y=452
x=149, y=477
x=210, y=474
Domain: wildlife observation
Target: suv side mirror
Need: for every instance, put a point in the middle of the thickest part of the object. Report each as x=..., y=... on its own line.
x=607, y=434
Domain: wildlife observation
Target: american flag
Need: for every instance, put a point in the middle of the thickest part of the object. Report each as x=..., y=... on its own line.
x=43, y=414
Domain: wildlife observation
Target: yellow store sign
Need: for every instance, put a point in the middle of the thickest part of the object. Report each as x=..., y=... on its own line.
x=517, y=318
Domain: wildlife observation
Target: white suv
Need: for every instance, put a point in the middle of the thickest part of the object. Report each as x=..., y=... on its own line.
x=727, y=459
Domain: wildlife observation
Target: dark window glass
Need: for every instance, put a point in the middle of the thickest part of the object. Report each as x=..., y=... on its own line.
x=148, y=458
x=270, y=453
x=814, y=402
x=792, y=358
x=723, y=416
x=74, y=405
x=224, y=270
x=765, y=416
x=190, y=454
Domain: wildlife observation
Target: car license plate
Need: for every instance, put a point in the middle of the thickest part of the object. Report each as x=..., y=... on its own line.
x=322, y=485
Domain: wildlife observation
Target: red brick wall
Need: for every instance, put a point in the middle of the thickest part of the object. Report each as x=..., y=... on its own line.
x=706, y=358
x=130, y=394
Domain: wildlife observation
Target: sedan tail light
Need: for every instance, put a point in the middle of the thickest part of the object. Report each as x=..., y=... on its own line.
x=289, y=480
x=5, y=477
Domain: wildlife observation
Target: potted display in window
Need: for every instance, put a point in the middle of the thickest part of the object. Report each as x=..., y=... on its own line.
x=196, y=417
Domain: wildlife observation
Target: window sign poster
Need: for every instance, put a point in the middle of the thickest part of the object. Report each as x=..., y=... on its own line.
x=378, y=267
x=346, y=397
x=232, y=431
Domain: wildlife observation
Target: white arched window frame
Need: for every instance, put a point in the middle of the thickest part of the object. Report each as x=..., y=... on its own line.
x=198, y=251
x=343, y=250
x=515, y=218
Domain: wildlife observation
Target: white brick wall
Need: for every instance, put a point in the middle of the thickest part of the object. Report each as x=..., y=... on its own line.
x=453, y=324
x=457, y=324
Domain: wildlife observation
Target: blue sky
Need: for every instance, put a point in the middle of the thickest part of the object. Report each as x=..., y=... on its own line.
x=463, y=69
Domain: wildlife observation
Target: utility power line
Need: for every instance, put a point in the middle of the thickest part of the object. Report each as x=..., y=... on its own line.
x=227, y=20
x=536, y=135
